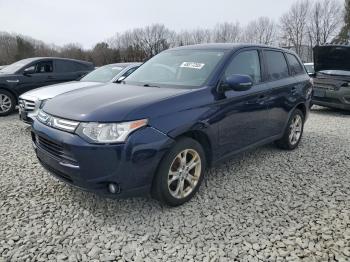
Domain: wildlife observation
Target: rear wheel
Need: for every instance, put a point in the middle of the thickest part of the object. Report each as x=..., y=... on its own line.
x=180, y=173
x=7, y=103
x=294, y=131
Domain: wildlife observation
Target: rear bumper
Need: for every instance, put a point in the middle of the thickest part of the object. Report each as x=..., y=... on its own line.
x=332, y=98
x=130, y=165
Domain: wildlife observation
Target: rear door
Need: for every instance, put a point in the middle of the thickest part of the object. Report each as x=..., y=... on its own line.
x=244, y=113
x=284, y=89
x=68, y=71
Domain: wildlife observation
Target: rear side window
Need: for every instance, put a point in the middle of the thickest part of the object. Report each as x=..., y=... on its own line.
x=295, y=67
x=245, y=63
x=69, y=66
x=276, y=65
x=81, y=67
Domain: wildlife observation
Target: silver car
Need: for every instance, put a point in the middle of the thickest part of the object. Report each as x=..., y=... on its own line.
x=30, y=102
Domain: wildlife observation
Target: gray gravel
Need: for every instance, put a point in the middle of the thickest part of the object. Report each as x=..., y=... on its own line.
x=267, y=205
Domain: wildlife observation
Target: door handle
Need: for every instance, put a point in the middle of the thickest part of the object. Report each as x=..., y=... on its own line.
x=50, y=77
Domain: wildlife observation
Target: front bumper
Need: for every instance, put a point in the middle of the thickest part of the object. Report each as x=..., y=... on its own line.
x=130, y=165
x=26, y=117
x=332, y=98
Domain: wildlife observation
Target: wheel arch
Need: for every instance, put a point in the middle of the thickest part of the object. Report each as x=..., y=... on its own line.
x=302, y=108
x=203, y=139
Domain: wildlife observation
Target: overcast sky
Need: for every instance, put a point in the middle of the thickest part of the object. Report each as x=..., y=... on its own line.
x=90, y=21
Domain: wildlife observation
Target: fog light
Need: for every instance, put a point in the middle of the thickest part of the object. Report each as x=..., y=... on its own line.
x=113, y=188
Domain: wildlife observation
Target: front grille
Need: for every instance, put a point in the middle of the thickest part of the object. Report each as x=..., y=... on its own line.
x=329, y=84
x=327, y=99
x=54, y=149
x=324, y=86
x=27, y=105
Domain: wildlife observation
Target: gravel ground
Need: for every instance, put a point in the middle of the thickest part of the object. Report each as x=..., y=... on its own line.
x=267, y=205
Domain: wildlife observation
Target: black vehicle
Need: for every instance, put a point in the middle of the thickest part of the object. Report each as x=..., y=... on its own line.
x=332, y=77
x=31, y=73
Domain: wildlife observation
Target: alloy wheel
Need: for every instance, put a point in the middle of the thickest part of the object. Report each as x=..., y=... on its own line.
x=5, y=103
x=296, y=127
x=184, y=173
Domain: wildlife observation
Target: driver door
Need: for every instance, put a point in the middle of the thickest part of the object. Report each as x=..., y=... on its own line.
x=42, y=75
x=245, y=114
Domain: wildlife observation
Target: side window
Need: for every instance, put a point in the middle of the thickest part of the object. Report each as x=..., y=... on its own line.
x=294, y=64
x=44, y=67
x=69, y=66
x=276, y=65
x=245, y=63
x=80, y=67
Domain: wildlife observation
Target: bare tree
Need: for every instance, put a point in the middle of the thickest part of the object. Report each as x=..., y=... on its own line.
x=325, y=20
x=261, y=31
x=197, y=36
x=154, y=38
x=227, y=32
x=73, y=50
x=293, y=25
x=8, y=48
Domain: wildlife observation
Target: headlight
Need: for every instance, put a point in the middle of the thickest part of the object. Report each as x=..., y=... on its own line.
x=109, y=132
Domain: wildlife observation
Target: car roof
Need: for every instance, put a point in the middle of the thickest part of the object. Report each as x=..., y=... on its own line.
x=32, y=59
x=230, y=46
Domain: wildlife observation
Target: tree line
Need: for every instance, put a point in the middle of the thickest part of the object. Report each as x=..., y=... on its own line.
x=306, y=24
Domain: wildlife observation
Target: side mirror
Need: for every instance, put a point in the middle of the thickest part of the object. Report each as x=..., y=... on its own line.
x=311, y=74
x=120, y=79
x=30, y=70
x=237, y=83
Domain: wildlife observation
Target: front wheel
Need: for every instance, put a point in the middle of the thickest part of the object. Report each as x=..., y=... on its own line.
x=294, y=131
x=180, y=173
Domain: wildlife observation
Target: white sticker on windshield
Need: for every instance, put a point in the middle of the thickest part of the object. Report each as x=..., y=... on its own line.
x=193, y=65
x=117, y=68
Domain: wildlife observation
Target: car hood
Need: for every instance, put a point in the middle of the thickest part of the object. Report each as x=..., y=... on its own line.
x=51, y=91
x=328, y=58
x=107, y=103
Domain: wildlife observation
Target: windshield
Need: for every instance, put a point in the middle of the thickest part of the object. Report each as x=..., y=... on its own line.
x=13, y=68
x=190, y=68
x=103, y=74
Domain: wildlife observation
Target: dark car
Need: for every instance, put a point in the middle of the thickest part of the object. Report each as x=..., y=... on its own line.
x=30, y=102
x=183, y=110
x=31, y=73
x=332, y=76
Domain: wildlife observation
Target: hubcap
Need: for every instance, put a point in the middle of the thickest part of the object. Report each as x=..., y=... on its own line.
x=5, y=103
x=184, y=173
x=295, y=129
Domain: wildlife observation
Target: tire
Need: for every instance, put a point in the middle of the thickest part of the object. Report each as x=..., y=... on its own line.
x=171, y=194
x=7, y=103
x=289, y=141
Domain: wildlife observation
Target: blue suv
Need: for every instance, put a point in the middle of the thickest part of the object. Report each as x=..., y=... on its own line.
x=183, y=110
